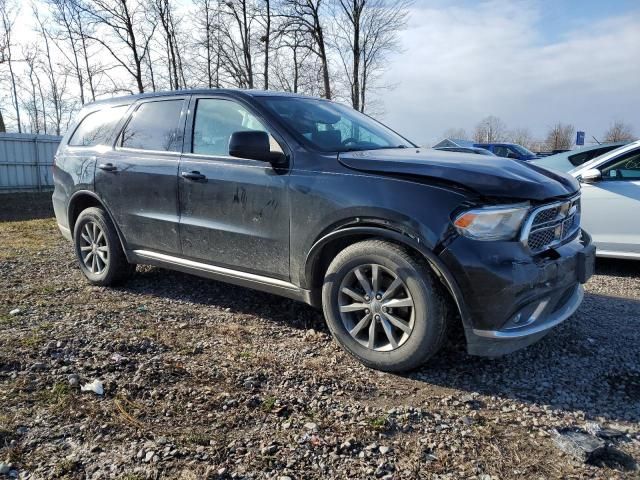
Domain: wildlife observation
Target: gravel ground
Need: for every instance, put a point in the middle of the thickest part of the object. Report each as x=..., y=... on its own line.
x=205, y=380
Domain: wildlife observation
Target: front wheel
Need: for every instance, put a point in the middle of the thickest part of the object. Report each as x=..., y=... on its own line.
x=384, y=306
x=98, y=249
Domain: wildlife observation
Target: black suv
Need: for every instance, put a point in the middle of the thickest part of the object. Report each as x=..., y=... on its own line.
x=314, y=201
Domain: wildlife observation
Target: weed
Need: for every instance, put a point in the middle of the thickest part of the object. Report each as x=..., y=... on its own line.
x=268, y=404
x=378, y=423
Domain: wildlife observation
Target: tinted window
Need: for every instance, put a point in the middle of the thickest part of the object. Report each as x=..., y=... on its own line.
x=331, y=127
x=216, y=120
x=95, y=128
x=583, y=157
x=625, y=168
x=501, y=151
x=155, y=126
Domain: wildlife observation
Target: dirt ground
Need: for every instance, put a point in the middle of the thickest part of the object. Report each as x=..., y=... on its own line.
x=206, y=380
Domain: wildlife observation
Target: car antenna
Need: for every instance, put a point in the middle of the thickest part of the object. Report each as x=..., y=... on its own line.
x=593, y=136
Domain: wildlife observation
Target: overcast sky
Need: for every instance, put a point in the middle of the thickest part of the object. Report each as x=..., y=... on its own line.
x=531, y=63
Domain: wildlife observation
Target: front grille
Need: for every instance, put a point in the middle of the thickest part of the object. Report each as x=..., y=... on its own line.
x=551, y=225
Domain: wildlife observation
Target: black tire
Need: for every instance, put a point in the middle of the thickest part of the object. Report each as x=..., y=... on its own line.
x=116, y=268
x=429, y=318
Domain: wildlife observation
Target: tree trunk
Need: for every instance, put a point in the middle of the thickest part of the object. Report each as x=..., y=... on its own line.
x=267, y=40
x=355, y=94
x=3, y=129
x=325, y=64
x=15, y=92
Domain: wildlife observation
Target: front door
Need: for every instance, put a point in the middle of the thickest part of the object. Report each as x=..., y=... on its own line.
x=138, y=180
x=234, y=212
x=610, y=206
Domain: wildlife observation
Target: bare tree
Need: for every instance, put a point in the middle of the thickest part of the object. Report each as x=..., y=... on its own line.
x=305, y=18
x=521, y=136
x=70, y=32
x=237, y=39
x=490, y=129
x=164, y=12
x=457, y=133
x=619, y=132
x=560, y=136
x=8, y=14
x=368, y=34
x=53, y=76
x=266, y=40
x=32, y=105
x=205, y=21
x=128, y=25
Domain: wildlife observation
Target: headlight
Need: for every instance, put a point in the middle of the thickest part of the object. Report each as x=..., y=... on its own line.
x=492, y=223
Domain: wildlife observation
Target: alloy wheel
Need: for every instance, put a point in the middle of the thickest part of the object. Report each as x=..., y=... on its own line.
x=94, y=250
x=376, y=307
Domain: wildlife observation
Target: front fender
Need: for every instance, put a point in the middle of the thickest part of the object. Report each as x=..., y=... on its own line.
x=395, y=235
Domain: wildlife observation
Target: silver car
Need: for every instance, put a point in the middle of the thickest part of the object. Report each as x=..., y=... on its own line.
x=611, y=201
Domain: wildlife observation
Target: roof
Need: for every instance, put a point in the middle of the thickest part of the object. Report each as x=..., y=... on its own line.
x=201, y=91
x=454, y=142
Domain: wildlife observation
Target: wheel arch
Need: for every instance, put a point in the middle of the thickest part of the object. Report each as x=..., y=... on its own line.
x=324, y=250
x=83, y=199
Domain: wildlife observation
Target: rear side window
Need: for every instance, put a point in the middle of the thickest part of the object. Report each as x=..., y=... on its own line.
x=95, y=128
x=583, y=157
x=155, y=126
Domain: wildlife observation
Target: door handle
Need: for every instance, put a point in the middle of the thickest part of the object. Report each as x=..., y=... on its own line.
x=195, y=175
x=107, y=167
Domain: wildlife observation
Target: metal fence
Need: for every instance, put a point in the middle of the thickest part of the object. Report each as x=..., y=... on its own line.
x=26, y=161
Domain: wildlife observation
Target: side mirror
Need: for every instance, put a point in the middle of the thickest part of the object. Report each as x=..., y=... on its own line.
x=253, y=145
x=591, y=176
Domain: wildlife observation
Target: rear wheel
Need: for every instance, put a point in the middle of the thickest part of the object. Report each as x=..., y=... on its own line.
x=384, y=306
x=98, y=249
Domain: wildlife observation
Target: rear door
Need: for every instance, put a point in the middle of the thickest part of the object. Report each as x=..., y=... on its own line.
x=234, y=211
x=610, y=207
x=137, y=179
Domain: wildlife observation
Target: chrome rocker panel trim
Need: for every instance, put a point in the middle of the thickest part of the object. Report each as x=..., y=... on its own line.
x=214, y=272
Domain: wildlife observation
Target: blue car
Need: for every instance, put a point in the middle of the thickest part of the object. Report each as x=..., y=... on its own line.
x=508, y=150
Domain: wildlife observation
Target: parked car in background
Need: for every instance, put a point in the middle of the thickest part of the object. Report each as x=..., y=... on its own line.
x=571, y=159
x=611, y=201
x=314, y=201
x=477, y=151
x=508, y=150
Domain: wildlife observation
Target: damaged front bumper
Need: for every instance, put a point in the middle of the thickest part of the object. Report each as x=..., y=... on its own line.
x=514, y=299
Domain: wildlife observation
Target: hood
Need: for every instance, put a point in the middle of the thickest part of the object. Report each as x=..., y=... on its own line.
x=488, y=176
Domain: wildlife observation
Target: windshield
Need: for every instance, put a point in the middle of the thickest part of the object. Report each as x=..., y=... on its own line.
x=523, y=151
x=331, y=127
x=555, y=162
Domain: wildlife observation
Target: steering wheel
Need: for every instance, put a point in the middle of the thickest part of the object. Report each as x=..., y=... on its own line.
x=349, y=140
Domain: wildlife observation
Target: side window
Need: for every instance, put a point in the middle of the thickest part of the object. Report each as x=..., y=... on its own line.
x=625, y=168
x=216, y=120
x=96, y=128
x=154, y=126
x=501, y=151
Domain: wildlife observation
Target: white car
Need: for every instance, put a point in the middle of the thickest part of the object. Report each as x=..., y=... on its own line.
x=611, y=201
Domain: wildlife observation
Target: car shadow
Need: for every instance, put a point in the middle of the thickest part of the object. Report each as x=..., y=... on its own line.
x=590, y=363
x=183, y=287
x=618, y=268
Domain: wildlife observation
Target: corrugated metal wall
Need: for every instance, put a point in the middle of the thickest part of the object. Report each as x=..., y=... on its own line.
x=25, y=162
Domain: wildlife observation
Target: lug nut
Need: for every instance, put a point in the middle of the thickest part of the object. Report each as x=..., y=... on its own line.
x=366, y=310
x=378, y=297
x=377, y=317
x=367, y=298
